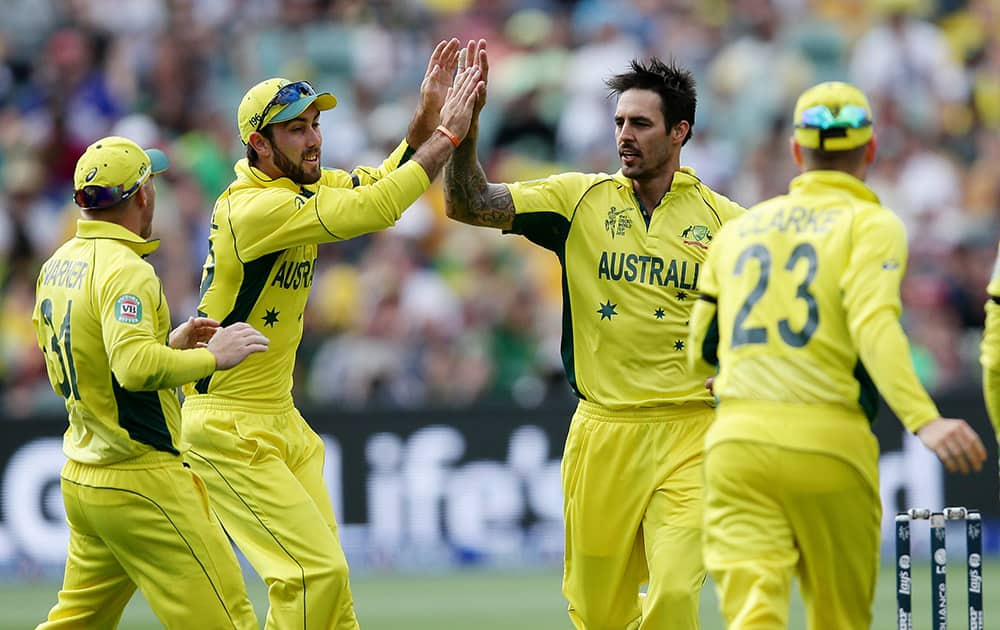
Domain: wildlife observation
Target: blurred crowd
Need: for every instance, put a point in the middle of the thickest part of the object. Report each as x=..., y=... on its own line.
x=434, y=313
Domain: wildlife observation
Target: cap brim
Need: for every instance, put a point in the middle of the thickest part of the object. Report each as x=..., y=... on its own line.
x=812, y=138
x=323, y=101
x=158, y=159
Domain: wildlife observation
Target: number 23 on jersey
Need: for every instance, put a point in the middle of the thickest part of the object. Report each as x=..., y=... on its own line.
x=771, y=272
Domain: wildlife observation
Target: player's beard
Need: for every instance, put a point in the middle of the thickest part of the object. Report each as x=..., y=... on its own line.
x=293, y=171
x=651, y=164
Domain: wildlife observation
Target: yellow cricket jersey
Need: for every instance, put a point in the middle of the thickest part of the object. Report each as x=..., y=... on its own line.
x=807, y=290
x=262, y=256
x=990, y=349
x=102, y=323
x=628, y=287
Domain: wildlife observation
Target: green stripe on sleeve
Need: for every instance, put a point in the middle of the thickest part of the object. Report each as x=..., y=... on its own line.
x=141, y=415
x=548, y=229
x=867, y=392
x=710, y=346
x=255, y=275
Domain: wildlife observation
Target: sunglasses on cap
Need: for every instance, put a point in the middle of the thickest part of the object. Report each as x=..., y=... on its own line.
x=100, y=197
x=286, y=96
x=820, y=117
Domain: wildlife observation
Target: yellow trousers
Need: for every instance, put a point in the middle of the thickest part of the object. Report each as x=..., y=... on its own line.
x=147, y=523
x=772, y=513
x=264, y=471
x=632, y=486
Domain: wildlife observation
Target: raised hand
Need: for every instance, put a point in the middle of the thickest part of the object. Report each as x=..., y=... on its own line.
x=469, y=197
x=474, y=53
x=456, y=116
x=955, y=443
x=234, y=343
x=433, y=91
x=194, y=333
x=457, y=112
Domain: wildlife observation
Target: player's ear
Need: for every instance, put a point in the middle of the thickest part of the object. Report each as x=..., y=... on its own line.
x=260, y=144
x=141, y=197
x=680, y=131
x=871, y=149
x=796, y=151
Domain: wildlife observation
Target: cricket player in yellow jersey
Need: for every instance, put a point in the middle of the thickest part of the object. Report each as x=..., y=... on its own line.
x=137, y=516
x=990, y=349
x=800, y=309
x=631, y=245
x=260, y=459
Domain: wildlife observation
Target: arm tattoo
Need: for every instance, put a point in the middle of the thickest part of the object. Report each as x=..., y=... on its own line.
x=471, y=199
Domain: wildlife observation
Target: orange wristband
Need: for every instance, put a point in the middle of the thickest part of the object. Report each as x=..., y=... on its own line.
x=448, y=134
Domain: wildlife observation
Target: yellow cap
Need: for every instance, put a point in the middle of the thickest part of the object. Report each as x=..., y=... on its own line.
x=833, y=116
x=112, y=169
x=262, y=105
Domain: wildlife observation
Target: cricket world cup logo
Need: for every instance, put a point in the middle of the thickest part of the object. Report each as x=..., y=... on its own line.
x=618, y=221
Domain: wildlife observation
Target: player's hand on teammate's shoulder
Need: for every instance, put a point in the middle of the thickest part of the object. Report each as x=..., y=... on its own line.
x=234, y=343
x=193, y=333
x=955, y=443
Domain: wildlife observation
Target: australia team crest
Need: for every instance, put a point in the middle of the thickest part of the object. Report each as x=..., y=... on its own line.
x=697, y=235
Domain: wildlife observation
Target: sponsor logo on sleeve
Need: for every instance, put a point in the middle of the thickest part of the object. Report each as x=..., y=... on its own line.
x=128, y=309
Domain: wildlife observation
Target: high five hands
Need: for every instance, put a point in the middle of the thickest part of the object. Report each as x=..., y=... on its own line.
x=433, y=91
x=474, y=54
x=461, y=100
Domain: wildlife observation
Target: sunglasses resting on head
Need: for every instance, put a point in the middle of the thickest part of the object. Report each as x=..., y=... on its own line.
x=100, y=197
x=848, y=116
x=286, y=96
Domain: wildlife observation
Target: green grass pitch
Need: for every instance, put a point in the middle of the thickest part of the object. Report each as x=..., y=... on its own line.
x=503, y=600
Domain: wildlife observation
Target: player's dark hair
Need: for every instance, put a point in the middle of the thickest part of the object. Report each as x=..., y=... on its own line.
x=675, y=85
x=847, y=161
x=252, y=156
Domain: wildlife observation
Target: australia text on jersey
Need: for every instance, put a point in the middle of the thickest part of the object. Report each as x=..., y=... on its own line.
x=647, y=269
x=293, y=274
